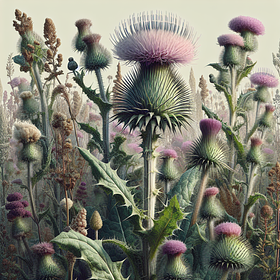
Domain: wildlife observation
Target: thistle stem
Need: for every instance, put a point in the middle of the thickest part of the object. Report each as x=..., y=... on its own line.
x=210, y=225
x=45, y=114
x=202, y=188
x=32, y=202
x=225, y=275
x=105, y=118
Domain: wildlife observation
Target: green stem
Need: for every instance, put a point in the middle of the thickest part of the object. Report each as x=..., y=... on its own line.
x=3, y=186
x=31, y=197
x=149, y=180
x=210, y=225
x=45, y=114
x=105, y=118
x=202, y=188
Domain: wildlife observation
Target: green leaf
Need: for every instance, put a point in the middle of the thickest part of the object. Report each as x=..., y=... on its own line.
x=218, y=67
x=253, y=198
x=245, y=72
x=164, y=226
x=134, y=256
x=109, y=180
x=43, y=214
x=185, y=187
x=92, y=252
x=96, y=140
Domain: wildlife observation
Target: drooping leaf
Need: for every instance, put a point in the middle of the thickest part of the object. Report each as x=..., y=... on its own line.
x=253, y=199
x=218, y=67
x=92, y=252
x=164, y=225
x=185, y=187
x=109, y=180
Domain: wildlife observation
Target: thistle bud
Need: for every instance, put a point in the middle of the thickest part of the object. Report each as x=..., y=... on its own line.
x=168, y=171
x=96, y=221
x=170, y=264
x=83, y=26
x=255, y=155
x=266, y=212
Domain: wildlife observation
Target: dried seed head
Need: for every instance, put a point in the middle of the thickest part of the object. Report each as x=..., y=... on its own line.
x=266, y=212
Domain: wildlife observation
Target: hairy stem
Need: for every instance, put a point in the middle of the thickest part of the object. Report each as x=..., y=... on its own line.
x=225, y=275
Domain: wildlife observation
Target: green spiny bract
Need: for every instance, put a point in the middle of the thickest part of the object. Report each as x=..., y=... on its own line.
x=168, y=171
x=155, y=94
x=29, y=105
x=95, y=55
x=231, y=253
x=250, y=41
x=232, y=56
x=49, y=268
x=262, y=94
x=30, y=152
x=255, y=155
x=211, y=208
x=207, y=153
x=20, y=228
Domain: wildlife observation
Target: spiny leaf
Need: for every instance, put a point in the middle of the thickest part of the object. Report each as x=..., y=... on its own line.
x=134, y=256
x=110, y=181
x=164, y=226
x=92, y=252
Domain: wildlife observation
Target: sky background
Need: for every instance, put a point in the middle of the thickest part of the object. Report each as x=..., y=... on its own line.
x=209, y=19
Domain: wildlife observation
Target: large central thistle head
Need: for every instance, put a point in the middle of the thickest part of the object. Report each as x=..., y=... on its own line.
x=154, y=38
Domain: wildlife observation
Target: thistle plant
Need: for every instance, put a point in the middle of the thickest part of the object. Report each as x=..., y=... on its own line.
x=230, y=251
x=207, y=152
x=48, y=267
x=211, y=209
x=170, y=264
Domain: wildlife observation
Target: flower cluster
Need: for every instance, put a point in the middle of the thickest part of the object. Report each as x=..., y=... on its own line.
x=16, y=206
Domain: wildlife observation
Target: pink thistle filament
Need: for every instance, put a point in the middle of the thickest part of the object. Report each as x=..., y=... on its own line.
x=174, y=247
x=231, y=39
x=210, y=127
x=211, y=191
x=153, y=39
x=228, y=229
x=264, y=79
x=245, y=23
x=43, y=249
x=169, y=153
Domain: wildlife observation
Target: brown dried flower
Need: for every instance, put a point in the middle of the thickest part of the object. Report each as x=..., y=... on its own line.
x=79, y=223
x=25, y=132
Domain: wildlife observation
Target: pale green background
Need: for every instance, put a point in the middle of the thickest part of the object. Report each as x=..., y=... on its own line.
x=208, y=18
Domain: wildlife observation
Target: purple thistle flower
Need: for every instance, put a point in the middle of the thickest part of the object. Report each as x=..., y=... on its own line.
x=210, y=127
x=25, y=203
x=83, y=188
x=83, y=184
x=27, y=214
x=244, y=23
x=256, y=142
x=228, y=229
x=264, y=79
x=186, y=145
x=135, y=147
x=43, y=249
x=15, y=82
x=14, y=205
x=174, y=247
x=231, y=39
x=151, y=39
x=11, y=216
x=17, y=181
x=18, y=212
x=268, y=151
x=169, y=153
x=14, y=196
